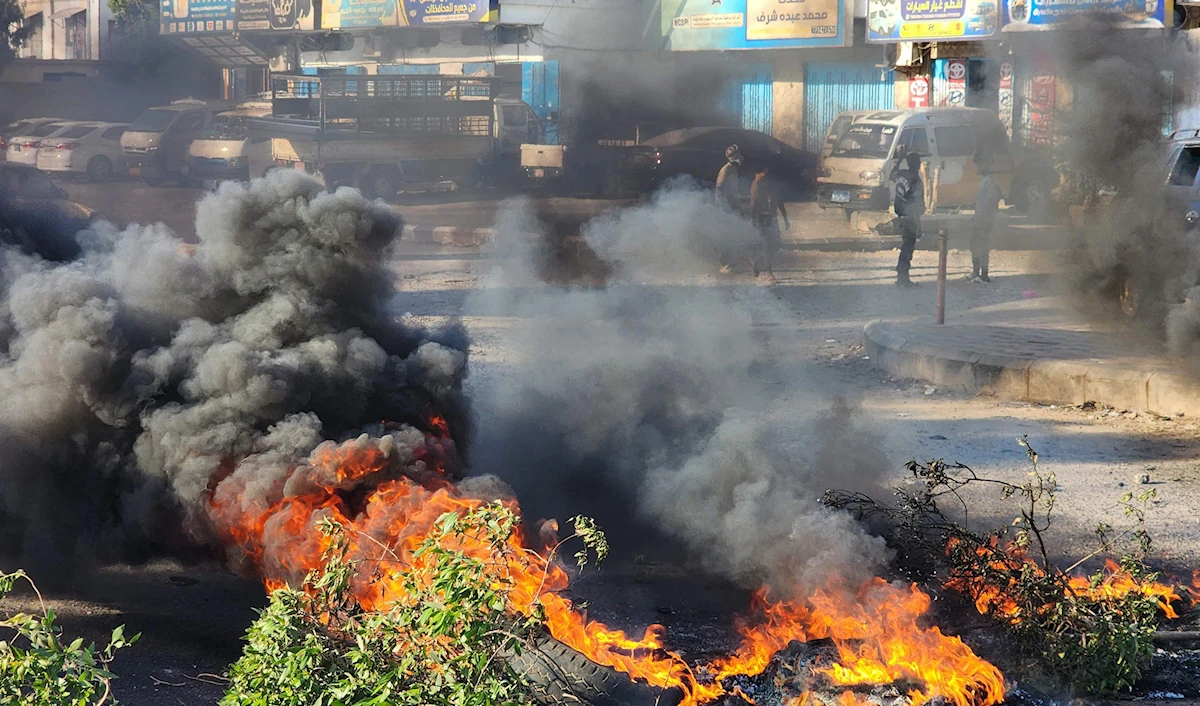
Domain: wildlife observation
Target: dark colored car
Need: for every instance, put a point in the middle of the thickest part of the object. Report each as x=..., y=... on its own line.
x=37, y=216
x=699, y=152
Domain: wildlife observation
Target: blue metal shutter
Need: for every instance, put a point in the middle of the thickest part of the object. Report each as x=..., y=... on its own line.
x=539, y=88
x=748, y=98
x=833, y=88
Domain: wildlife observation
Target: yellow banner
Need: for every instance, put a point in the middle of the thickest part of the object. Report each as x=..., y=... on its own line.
x=945, y=28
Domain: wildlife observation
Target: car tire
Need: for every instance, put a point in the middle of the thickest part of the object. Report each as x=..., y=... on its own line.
x=99, y=168
x=557, y=674
x=380, y=183
x=610, y=182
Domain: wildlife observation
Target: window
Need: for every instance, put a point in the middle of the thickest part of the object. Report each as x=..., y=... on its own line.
x=913, y=139
x=191, y=122
x=113, y=133
x=153, y=120
x=44, y=130
x=866, y=140
x=17, y=128
x=954, y=141
x=1186, y=167
x=838, y=128
x=513, y=115
x=77, y=131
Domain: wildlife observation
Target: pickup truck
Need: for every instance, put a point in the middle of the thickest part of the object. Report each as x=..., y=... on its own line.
x=385, y=133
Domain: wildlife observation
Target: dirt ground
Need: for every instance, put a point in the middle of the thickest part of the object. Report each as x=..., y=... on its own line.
x=192, y=616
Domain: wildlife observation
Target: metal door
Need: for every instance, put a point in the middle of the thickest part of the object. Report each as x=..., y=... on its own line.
x=833, y=88
x=748, y=98
x=539, y=88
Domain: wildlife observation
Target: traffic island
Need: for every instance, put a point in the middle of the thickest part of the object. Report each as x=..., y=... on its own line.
x=1004, y=351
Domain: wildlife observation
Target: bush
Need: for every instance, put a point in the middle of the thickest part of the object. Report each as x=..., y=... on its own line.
x=443, y=641
x=38, y=669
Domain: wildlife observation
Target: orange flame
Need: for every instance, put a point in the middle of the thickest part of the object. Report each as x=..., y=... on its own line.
x=390, y=503
x=991, y=593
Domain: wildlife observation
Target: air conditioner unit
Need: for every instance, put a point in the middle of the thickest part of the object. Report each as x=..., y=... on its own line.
x=372, y=47
x=906, y=54
x=279, y=63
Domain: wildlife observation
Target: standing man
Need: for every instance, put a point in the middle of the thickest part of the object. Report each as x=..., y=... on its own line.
x=987, y=203
x=909, y=204
x=764, y=202
x=731, y=195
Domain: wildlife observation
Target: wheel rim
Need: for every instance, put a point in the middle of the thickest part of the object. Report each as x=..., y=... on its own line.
x=381, y=185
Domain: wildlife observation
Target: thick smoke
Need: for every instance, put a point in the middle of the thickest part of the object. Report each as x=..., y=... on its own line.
x=670, y=393
x=1134, y=257
x=144, y=378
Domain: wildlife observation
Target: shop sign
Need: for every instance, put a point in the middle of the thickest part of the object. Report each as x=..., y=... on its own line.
x=1041, y=110
x=694, y=25
x=347, y=14
x=931, y=20
x=1005, y=96
x=950, y=83
x=1033, y=15
x=918, y=92
x=180, y=17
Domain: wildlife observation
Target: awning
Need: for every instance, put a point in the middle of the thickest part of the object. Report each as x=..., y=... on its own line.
x=30, y=14
x=60, y=14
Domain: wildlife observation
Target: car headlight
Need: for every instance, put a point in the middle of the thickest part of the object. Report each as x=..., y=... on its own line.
x=151, y=149
x=1192, y=217
x=237, y=161
x=872, y=177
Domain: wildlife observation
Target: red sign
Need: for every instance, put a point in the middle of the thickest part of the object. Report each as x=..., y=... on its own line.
x=1041, y=110
x=918, y=92
x=1006, y=75
x=956, y=82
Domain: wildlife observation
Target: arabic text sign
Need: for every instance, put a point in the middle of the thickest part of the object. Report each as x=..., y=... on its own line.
x=195, y=16
x=344, y=14
x=690, y=25
x=1032, y=15
x=925, y=20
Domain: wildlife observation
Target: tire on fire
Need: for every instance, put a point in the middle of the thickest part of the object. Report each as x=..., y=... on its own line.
x=558, y=674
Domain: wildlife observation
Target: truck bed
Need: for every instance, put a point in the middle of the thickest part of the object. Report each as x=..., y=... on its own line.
x=380, y=149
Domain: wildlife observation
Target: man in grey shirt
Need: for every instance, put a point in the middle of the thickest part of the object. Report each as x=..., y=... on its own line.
x=987, y=203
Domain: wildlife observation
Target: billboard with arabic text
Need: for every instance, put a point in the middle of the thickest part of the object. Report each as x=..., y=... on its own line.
x=698, y=25
x=1034, y=15
x=346, y=14
x=931, y=20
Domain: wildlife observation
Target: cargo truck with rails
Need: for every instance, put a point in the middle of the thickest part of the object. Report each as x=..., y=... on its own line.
x=384, y=133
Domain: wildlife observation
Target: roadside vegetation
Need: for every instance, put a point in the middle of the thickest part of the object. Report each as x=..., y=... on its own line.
x=1093, y=633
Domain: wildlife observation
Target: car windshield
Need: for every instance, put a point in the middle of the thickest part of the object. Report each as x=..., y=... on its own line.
x=16, y=128
x=227, y=127
x=154, y=120
x=866, y=140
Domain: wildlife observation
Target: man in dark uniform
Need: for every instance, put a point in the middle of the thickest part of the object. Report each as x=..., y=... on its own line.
x=909, y=204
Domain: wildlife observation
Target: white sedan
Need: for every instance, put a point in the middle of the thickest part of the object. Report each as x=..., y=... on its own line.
x=83, y=148
x=23, y=149
x=21, y=127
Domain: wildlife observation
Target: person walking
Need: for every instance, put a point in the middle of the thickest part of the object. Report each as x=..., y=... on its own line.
x=987, y=203
x=765, y=201
x=731, y=195
x=909, y=204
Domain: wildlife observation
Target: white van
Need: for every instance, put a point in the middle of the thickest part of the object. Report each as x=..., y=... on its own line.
x=223, y=150
x=855, y=175
x=155, y=145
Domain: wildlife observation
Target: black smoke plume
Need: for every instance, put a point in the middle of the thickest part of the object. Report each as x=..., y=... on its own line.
x=140, y=376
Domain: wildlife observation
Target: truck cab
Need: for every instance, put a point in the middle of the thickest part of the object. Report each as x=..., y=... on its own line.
x=155, y=145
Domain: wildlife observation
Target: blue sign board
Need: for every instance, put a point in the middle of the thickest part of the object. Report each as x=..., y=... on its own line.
x=198, y=16
x=697, y=25
x=1034, y=15
x=346, y=14
x=931, y=20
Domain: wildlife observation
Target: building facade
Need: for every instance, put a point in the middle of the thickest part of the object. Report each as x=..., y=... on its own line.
x=69, y=30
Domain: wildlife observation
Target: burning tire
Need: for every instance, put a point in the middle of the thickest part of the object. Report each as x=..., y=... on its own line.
x=558, y=675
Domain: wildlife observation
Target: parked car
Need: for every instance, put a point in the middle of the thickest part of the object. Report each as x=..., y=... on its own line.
x=93, y=149
x=154, y=147
x=23, y=148
x=699, y=152
x=20, y=127
x=37, y=216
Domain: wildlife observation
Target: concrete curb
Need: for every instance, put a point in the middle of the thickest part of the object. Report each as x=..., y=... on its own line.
x=446, y=235
x=1161, y=390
